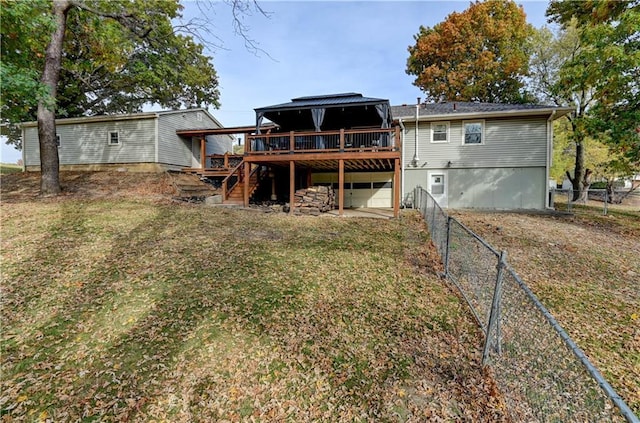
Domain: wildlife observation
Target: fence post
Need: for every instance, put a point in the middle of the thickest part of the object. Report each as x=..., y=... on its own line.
x=494, y=318
x=446, y=248
x=606, y=200
x=433, y=218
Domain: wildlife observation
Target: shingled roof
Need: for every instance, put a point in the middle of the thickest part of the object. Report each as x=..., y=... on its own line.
x=451, y=109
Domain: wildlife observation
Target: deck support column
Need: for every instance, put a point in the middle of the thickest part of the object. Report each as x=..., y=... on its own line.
x=340, y=187
x=396, y=188
x=292, y=185
x=247, y=183
x=203, y=152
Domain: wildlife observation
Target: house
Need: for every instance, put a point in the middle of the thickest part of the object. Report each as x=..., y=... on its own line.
x=343, y=140
x=135, y=142
x=478, y=155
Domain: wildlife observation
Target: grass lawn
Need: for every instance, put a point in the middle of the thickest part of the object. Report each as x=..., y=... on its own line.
x=140, y=310
x=586, y=270
x=6, y=168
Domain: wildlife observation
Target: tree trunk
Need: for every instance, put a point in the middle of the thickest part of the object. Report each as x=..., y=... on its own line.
x=49, y=161
x=578, y=179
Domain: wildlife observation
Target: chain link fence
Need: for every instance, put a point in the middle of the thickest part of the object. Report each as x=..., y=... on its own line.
x=541, y=372
x=594, y=200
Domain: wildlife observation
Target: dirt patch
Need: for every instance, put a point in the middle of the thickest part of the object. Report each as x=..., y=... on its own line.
x=24, y=186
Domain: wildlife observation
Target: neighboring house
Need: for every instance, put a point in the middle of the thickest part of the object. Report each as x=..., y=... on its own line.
x=478, y=155
x=135, y=142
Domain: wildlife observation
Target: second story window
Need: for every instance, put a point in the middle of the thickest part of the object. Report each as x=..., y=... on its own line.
x=474, y=132
x=440, y=132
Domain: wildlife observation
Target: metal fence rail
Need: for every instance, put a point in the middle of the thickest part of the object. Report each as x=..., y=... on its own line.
x=600, y=200
x=542, y=373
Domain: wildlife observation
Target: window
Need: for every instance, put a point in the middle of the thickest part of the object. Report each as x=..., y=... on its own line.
x=114, y=138
x=437, y=184
x=58, y=140
x=440, y=132
x=474, y=132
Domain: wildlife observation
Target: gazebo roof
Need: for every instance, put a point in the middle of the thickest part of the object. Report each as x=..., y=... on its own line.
x=344, y=110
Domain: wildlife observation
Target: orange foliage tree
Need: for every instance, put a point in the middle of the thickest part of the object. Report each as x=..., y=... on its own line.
x=480, y=54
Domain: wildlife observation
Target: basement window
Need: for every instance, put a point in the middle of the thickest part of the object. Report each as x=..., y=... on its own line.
x=114, y=138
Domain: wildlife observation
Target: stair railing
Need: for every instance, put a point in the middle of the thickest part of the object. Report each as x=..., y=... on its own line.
x=234, y=177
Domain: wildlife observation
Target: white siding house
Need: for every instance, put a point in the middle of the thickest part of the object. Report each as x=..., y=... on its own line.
x=136, y=142
x=478, y=155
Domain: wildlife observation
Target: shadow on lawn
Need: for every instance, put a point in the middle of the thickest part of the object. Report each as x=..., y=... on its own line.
x=115, y=340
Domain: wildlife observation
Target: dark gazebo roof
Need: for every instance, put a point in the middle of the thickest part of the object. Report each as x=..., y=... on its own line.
x=345, y=110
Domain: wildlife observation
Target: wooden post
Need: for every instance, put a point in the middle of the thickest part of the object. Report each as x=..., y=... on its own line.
x=292, y=184
x=247, y=183
x=341, y=187
x=292, y=142
x=226, y=160
x=203, y=152
x=247, y=142
x=341, y=139
x=398, y=143
x=309, y=178
x=396, y=188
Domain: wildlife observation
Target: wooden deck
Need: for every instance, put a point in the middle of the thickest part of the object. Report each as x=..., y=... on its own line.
x=365, y=150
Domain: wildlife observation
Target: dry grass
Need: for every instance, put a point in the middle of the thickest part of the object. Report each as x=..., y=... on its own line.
x=121, y=309
x=586, y=270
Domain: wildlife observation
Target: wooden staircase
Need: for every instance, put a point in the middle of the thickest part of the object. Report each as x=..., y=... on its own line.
x=189, y=187
x=233, y=184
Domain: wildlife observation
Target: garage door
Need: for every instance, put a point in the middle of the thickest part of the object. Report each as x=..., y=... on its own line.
x=362, y=189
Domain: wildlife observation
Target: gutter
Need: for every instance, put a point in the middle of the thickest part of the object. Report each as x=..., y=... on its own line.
x=549, y=157
x=558, y=111
x=402, y=162
x=99, y=118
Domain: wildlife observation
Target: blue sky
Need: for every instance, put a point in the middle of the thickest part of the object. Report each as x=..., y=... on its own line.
x=313, y=47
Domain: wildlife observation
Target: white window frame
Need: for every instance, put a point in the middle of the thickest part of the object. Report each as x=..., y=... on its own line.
x=448, y=130
x=109, y=138
x=58, y=141
x=464, y=131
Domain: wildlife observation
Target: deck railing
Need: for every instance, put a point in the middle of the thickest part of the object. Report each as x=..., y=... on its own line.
x=325, y=141
x=223, y=161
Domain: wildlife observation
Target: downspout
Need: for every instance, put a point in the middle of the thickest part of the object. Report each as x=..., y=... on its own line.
x=402, y=162
x=415, y=154
x=548, y=204
x=24, y=156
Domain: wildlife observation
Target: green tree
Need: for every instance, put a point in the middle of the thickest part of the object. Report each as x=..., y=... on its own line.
x=480, y=54
x=24, y=30
x=608, y=63
x=553, y=83
x=82, y=57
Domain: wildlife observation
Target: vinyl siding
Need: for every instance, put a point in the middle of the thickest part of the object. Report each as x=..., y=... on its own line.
x=506, y=188
x=88, y=143
x=508, y=142
x=176, y=150
x=497, y=188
